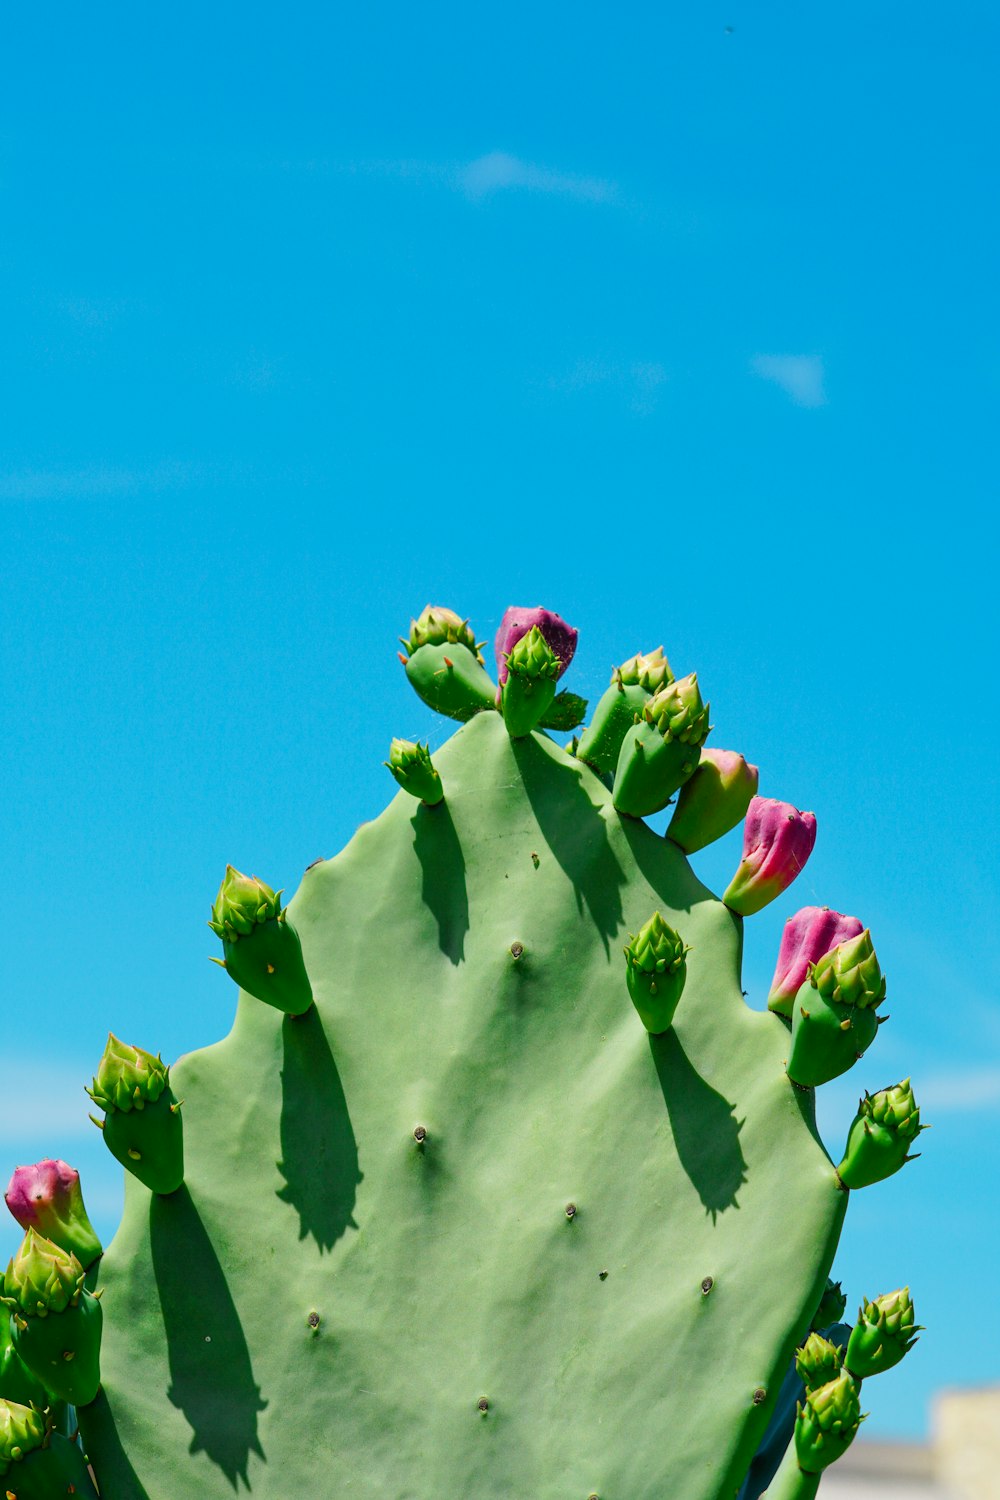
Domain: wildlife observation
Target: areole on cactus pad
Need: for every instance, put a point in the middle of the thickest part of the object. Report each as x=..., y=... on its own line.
x=470, y=1201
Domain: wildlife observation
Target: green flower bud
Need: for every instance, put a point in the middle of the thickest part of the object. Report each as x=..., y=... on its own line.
x=662, y=749
x=42, y=1279
x=678, y=712
x=849, y=974
x=833, y=1014
x=656, y=968
x=817, y=1362
x=242, y=902
x=411, y=765
x=886, y=1330
x=528, y=693
x=879, y=1140
x=827, y=1423
x=127, y=1077
x=22, y=1430
x=831, y=1305
x=650, y=671
x=437, y=626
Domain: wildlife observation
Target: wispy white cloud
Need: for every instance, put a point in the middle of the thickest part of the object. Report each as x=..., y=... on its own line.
x=800, y=376
x=499, y=171
x=638, y=380
x=476, y=180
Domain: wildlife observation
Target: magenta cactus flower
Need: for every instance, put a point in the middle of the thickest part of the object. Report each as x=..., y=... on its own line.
x=517, y=622
x=811, y=933
x=46, y=1197
x=777, y=841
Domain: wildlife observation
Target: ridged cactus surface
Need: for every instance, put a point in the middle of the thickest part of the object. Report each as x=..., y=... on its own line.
x=503, y=1192
x=467, y=968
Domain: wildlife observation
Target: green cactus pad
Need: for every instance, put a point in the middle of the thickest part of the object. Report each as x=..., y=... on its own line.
x=452, y=680
x=655, y=970
x=663, y=750
x=881, y=1134
x=412, y=767
x=371, y=1281
x=529, y=692
x=150, y=1143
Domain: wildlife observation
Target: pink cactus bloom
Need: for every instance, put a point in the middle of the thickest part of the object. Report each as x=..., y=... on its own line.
x=517, y=621
x=812, y=932
x=47, y=1197
x=777, y=841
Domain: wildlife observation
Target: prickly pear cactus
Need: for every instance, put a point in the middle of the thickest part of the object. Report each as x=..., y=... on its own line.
x=497, y=1188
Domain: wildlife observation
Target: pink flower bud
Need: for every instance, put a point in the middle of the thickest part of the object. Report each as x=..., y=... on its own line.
x=777, y=841
x=811, y=933
x=518, y=621
x=46, y=1197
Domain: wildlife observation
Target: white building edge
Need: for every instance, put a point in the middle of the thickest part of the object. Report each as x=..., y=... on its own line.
x=960, y=1462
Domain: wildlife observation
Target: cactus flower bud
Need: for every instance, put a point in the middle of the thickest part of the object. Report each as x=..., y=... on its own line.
x=411, y=765
x=649, y=670
x=880, y=1137
x=817, y=1362
x=663, y=750
x=22, y=1430
x=142, y=1126
x=529, y=686
x=128, y=1077
x=808, y=935
x=263, y=954
x=56, y=1324
x=40, y=1462
x=777, y=841
x=849, y=974
x=437, y=626
x=620, y=707
x=444, y=664
x=242, y=902
x=41, y=1278
x=713, y=800
x=827, y=1423
x=655, y=971
x=886, y=1330
x=833, y=1015
x=518, y=622
x=831, y=1305
x=47, y=1197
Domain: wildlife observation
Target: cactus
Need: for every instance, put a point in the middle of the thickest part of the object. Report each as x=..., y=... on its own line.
x=468, y=1202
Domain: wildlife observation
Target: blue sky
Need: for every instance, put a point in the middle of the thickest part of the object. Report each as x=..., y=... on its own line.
x=683, y=324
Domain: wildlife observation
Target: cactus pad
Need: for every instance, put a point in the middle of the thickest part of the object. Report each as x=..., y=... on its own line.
x=467, y=1225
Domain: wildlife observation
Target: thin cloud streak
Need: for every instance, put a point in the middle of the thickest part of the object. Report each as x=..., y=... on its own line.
x=800, y=376
x=498, y=171
x=965, y=1089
